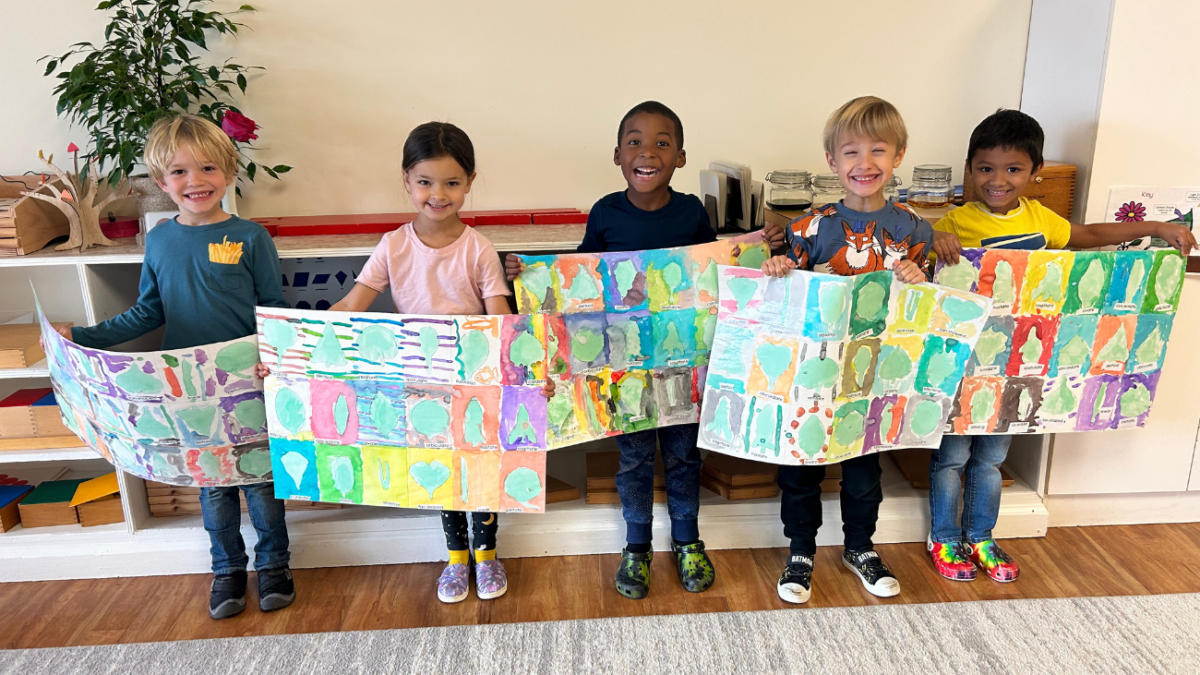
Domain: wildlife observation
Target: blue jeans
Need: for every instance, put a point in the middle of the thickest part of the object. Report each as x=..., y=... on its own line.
x=635, y=481
x=223, y=521
x=981, y=457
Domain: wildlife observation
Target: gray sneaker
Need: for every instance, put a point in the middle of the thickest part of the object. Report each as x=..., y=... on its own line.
x=275, y=589
x=227, y=595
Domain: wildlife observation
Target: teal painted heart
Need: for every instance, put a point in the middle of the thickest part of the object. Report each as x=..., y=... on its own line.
x=430, y=475
x=295, y=464
x=773, y=359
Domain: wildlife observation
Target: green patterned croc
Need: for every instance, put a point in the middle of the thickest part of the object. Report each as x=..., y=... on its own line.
x=696, y=571
x=633, y=576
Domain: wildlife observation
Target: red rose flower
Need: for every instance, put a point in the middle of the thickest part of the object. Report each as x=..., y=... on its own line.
x=238, y=127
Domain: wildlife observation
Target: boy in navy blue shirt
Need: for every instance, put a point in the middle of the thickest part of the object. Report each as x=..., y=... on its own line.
x=647, y=215
x=203, y=274
x=864, y=141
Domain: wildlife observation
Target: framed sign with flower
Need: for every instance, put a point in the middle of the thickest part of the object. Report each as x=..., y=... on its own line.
x=1161, y=204
x=147, y=69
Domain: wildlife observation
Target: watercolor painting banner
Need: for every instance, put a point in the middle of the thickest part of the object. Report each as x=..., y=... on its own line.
x=446, y=412
x=815, y=368
x=1075, y=340
x=192, y=417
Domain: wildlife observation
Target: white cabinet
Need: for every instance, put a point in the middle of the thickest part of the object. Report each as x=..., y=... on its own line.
x=1159, y=456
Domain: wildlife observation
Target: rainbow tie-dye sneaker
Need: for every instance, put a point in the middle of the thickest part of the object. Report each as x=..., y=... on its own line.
x=952, y=561
x=994, y=561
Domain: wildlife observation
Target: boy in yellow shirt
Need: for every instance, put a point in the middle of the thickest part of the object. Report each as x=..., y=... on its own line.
x=1004, y=154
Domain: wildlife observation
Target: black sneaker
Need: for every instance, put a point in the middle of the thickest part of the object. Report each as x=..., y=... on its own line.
x=795, y=584
x=875, y=576
x=227, y=595
x=633, y=576
x=275, y=589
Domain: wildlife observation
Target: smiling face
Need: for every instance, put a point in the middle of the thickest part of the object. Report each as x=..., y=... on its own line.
x=864, y=166
x=438, y=188
x=197, y=186
x=999, y=176
x=649, y=153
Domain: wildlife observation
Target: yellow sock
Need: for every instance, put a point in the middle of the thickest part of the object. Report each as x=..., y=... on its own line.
x=460, y=557
x=482, y=555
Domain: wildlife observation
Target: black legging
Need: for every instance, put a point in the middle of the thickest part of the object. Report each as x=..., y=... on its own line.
x=454, y=524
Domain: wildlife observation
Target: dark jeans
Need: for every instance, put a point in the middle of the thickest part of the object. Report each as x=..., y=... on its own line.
x=223, y=521
x=635, y=481
x=800, y=503
x=483, y=526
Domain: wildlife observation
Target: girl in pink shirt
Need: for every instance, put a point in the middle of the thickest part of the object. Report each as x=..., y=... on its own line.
x=438, y=265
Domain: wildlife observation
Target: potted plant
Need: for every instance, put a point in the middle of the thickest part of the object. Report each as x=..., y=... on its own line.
x=145, y=70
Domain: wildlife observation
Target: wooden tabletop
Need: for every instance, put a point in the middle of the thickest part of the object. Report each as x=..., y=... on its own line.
x=506, y=239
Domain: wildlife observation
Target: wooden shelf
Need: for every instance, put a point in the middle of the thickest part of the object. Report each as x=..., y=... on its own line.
x=506, y=239
x=55, y=454
x=38, y=369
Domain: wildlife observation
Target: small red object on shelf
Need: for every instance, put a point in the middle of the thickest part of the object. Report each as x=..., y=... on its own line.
x=120, y=228
x=559, y=218
x=25, y=397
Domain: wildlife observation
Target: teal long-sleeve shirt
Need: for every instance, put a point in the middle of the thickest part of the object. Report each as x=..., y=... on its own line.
x=202, y=281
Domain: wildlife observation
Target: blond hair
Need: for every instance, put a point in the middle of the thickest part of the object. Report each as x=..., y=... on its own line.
x=205, y=139
x=868, y=116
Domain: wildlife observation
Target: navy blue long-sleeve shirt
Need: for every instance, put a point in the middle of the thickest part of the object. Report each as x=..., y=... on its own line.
x=615, y=224
x=202, y=281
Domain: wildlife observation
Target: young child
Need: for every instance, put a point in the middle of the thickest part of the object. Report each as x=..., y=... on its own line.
x=648, y=214
x=864, y=141
x=438, y=265
x=204, y=300
x=1004, y=154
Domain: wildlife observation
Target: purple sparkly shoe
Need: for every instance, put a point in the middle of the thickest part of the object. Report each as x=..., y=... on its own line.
x=490, y=580
x=455, y=583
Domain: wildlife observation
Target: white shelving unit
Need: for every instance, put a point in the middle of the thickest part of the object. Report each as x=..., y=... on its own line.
x=91, y=287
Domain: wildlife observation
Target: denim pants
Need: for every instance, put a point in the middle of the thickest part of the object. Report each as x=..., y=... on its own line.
x=223, y=520
x=981, y=456
x=800, y=503
x=635, y=481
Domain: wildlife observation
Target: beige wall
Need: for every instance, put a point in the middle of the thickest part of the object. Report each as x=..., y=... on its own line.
x=1149, y=125
x=540, y=86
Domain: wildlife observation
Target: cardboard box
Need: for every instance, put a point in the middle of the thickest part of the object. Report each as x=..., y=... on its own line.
x=50, y=504
x=10, y=499
x=20, y=345
x=27, y=224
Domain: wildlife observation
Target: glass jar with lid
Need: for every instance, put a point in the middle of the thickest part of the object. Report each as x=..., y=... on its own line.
x=892, y=189
x=931, y=186
x=827, y=189
x=791, y=190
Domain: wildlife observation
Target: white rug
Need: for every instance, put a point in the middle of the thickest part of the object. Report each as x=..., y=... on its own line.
x=1143, y=634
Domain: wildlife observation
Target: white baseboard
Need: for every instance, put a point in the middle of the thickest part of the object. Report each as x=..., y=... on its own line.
x=1123, y=509
x=377, y=536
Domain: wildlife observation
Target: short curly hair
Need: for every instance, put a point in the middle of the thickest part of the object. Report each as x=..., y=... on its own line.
x=204, y=138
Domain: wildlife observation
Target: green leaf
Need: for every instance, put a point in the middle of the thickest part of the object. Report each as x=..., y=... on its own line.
x=251, y=169
x=271, y=172
x=54, y=64
x=241, y=81
x=281, y=168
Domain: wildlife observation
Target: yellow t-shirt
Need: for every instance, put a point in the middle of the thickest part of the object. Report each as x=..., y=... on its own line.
x=1030, y=226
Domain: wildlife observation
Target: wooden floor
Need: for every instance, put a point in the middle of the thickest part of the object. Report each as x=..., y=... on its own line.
x=1069, y=562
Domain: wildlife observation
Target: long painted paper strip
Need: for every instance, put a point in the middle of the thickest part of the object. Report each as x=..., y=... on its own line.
x=192, y=417
x=1075, y=340
x=816, y=368
x=446, y=412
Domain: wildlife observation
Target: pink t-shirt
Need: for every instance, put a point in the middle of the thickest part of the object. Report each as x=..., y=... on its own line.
x=450, y=280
